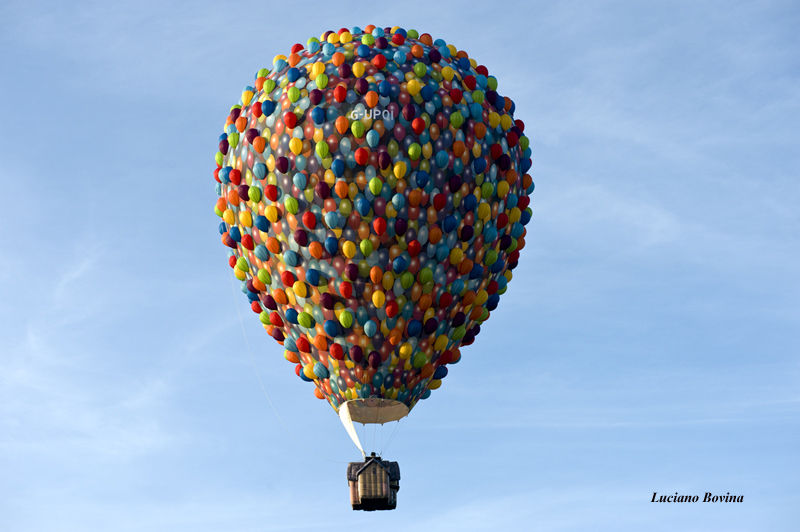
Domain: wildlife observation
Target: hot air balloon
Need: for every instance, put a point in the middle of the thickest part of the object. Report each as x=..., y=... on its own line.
x=373, y=194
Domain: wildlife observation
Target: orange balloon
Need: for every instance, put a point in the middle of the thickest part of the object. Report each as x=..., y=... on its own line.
x=434, y=235
x=318, y=394
x=341, y=189
x=280, y=296
x=259, y=144
x=241, y=123
x=342, y=125
x=316, y=249
x=293, y=60
x=371, y=99
x=425, y=301
x=273, y=245
x=480, y=130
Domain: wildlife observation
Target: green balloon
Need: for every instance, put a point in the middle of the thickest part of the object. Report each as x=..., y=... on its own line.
x=242, y=264
x=305, y=320
x=269, y=86
x=407, y=280
x=524, y=142
x=366, y=248
x=477, y=96
x=414, y=151
x=321, y=81
x=420, y=69
x=375, y=186
x=322, y=149
x=291, y=204
x=262, y=73
x=425, y=275
x=358, y=129
x=456, y=119
x=264, y=318
x=233, y=139
x=459, y=333
x=255, y=194
x=264, y=276
x=294, y=94
x=419, y=359
x=490, y=257
x=346, y=319
x=487, y=190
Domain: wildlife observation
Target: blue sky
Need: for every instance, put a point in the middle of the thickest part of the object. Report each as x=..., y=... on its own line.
x=648, y=342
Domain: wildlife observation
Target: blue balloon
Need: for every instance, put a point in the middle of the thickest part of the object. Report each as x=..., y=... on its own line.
x=235, y=234
x=318, y=116
x=399, y=265
x=261, y=252
x=290, y=257
x=268, y=107
x=331, y=328
x=262, y=224
x=440, y=373
x=312, y=277
x=291, y=315
x=337, y=166
x=331, y=244
x=450, y=223
x=321, y=371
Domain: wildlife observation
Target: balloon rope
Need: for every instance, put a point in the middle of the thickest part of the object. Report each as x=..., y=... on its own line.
x=394, y=433
x=253, y=360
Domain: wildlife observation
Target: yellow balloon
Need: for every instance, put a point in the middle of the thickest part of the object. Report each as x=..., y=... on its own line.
x=413, y=87
x=434, y=384
x=494, y=120
x=346, y=37
x=229, y=217
x=387, y=281
x=299, y=288
x=296, y=145
x=272, y=213
x=502, y=189
x=482, y=297
x=448, y=73
x=378, y=298
x=514, y=215
x=239, y=274
x=246, y=219
x=358, y=69
x=440, y=343
x=405, y=350
x=456, y=255
x=400, y=170
x=349, y=249
x=308, y=369
x=506, y=122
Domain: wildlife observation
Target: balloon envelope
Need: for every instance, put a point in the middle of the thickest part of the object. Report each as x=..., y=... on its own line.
x=373, y=195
